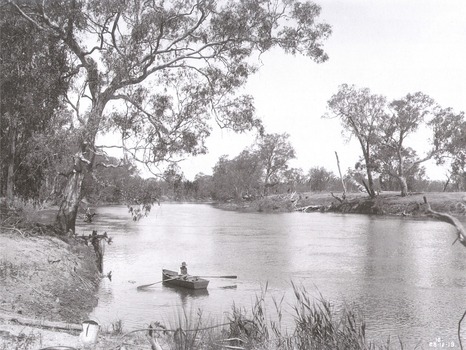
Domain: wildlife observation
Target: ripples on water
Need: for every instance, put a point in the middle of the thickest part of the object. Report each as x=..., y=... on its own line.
x=402, y=274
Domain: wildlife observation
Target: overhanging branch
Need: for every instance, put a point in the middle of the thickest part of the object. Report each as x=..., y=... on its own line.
x=450, y=220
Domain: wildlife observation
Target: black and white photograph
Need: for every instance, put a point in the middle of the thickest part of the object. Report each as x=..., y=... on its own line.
x=232, y=174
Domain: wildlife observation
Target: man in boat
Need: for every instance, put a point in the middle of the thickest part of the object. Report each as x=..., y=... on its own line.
x=183, y=269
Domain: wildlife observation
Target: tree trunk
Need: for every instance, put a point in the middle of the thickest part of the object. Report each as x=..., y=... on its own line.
x=341, y=177
x=83, y=163
x=404, y=186
x=266, y=185
x=370, y=184
x=66, y=217
x=446, y=184
x=68, y=211
x=10, y=179
x=370, y=180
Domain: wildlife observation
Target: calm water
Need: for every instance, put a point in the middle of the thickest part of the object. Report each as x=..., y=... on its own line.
x=402, y=274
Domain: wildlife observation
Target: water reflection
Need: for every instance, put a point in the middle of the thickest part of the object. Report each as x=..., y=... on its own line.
x=186, y=295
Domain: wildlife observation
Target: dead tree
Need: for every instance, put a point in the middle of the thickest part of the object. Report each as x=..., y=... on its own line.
x=96, y=241
x=341, y=177
x=461, y=231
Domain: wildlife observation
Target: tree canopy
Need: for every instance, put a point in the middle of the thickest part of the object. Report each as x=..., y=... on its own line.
x=274, y=151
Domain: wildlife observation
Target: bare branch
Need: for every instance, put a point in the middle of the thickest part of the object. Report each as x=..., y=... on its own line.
x=119, y=165
x=30, y=19
x=459, y=330
x=450, y=220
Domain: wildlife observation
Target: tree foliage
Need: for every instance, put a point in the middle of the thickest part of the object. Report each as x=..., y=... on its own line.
x=403, y=119
x=34, y=79
x=237, y=178
x=450, y=135
x=320, y=179
x=274, y=151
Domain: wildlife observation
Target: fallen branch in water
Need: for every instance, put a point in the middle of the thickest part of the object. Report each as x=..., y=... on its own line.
x=461, y=231
x=309, y=208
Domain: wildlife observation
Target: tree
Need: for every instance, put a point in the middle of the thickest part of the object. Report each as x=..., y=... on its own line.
x=172, y=64
x=320, y=179
x=274, y=151
x=33, y=82
x=203, y=186
x=237, y=178
x=294, y=179
x=174, y=177
x=360, y=113
x=450, y=135
x=405, y=117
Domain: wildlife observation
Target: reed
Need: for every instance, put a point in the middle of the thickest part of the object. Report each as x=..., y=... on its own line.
x=316, y=324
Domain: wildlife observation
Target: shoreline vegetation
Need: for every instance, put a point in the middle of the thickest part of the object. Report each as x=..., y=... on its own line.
x=386, y=203
x=48, y=286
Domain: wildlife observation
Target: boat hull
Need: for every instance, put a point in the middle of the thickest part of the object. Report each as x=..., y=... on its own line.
x=172, y=278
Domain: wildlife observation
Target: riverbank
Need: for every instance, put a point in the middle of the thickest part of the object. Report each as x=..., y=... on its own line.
x=48, y=284
x=386, y=203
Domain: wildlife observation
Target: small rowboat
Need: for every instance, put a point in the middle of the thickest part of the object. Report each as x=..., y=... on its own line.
x=172, y=278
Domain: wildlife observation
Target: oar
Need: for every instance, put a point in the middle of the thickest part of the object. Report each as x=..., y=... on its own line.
x=233, y=277
x=151, y=284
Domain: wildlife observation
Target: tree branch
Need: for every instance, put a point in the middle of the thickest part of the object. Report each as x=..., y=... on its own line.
x=450, y=220
x=22, y=13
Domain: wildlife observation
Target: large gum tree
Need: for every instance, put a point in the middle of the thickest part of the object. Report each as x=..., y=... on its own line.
x=360, y=113
x=157, y=71
x=403, y=118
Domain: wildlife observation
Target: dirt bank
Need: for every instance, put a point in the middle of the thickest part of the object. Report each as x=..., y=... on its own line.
x=48, y=287
x=47, y=277
x=386, y=203
x=43, y=277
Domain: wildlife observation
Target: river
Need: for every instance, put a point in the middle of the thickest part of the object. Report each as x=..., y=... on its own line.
x=403, y=275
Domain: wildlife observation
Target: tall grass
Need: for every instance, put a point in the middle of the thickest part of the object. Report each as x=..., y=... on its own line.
x=319, y=327
x=315, y=324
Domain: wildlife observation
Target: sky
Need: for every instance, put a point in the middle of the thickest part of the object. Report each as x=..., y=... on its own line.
x=392, y=47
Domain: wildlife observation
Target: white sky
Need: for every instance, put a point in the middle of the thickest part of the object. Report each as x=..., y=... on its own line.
x=392, y=47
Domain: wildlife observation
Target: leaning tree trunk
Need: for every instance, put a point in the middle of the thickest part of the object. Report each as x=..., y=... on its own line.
x=370, y=180
x=341, y=177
